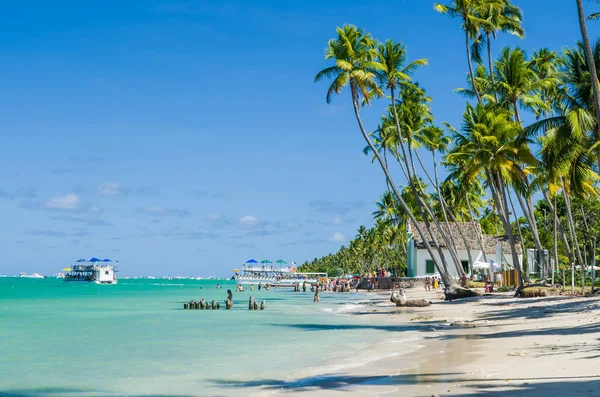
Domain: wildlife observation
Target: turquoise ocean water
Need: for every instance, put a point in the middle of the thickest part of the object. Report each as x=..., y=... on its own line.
x=135, y=339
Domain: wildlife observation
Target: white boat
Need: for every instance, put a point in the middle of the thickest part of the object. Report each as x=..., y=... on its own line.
x=59, y=275
x=32, y=275
x=276, y=276
x=97, y=271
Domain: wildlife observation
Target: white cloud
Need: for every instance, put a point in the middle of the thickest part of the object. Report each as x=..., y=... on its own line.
x=249, y=220
x=112, y=189
x=337, y=238
x=68, y=202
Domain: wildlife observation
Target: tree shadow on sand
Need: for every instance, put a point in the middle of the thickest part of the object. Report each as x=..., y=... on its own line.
x=491, y=387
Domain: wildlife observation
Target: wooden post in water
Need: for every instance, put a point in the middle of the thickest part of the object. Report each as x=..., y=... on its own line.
x=262, y=305
x=201, y=303
x=213, y=305
x=255, y=305
x=185, y=305
x=251, y=303
x=218, y=306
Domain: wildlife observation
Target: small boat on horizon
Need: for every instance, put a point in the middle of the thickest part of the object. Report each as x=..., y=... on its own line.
x=98, y=271
x=32, y=275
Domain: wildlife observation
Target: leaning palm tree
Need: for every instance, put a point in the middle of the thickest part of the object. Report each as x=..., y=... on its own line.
x=355, y=57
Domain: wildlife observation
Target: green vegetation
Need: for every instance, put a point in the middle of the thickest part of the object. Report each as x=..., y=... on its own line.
x=497, y=161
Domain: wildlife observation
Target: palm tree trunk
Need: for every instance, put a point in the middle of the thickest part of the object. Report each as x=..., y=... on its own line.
x=590, y=58
x=423, y=206
x=478, y=232
x=517, y=116
x=446, y=209
x=440, y=264
x=534, y=232
x=489, y=51
x=471, y=67
x=561, y=230
x=522, y=241
x=572, y=227
x=587, y=229
x=555, y=241
x=499, y=194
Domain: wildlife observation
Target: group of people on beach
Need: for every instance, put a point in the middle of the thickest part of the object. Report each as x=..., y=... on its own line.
x=432, y=283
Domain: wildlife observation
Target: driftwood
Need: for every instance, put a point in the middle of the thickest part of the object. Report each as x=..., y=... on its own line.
x=399, y=298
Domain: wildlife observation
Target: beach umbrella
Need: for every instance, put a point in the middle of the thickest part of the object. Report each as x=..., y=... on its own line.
x=81, y=260
x=282, y=262
x=67, y=269
x=95, y=260
x=235, y=270
x=251, y=261
x=106, y=260
x=265, y=261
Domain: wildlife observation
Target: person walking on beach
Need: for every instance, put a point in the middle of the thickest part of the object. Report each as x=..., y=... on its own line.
x=316, y=299
x=435, y=283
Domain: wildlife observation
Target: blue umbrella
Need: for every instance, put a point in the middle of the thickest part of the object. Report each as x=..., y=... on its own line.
x=106, y=260
x=251, y=261
x=80, y=260
x=95, y=260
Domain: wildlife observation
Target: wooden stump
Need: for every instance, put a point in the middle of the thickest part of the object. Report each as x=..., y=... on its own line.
x=251, y=303
x=185, y=305
x=218, y=306
x=262, y=305
x=255, y=305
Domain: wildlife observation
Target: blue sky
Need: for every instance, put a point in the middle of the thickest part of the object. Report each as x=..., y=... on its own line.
x=184, y=137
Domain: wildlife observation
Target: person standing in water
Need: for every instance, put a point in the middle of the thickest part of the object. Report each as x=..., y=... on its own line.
x=316, y=299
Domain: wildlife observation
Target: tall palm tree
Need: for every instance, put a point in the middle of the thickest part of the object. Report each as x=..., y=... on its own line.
x=491, y=146
x=590, y=57
x=355, y=57
x=467, y=12
x=506, y=18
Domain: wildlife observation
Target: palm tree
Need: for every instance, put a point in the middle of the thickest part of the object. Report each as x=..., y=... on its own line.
x=506, y=18
x=590, y=57
x=492, y=147
x=467, y=12
x=518, y=84
x=355, y=58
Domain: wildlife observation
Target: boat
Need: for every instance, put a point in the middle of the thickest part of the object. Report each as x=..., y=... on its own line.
x=98, y=271
x=253, y=273
x=32, y=275
x=59, y=275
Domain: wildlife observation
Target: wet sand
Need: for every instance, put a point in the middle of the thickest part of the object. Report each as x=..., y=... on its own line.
x=495, y=346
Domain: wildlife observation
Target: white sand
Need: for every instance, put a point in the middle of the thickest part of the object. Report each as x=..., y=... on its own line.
x=495, y=346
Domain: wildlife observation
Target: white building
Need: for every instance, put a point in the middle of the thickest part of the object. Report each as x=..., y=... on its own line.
x=497, y=250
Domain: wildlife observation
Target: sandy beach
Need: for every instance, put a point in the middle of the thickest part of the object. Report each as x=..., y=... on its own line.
x=487, y=346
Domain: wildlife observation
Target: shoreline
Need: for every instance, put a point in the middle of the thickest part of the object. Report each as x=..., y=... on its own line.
x=493, y=345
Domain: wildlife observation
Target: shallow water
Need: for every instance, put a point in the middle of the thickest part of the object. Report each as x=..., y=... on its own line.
x=135, y=339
